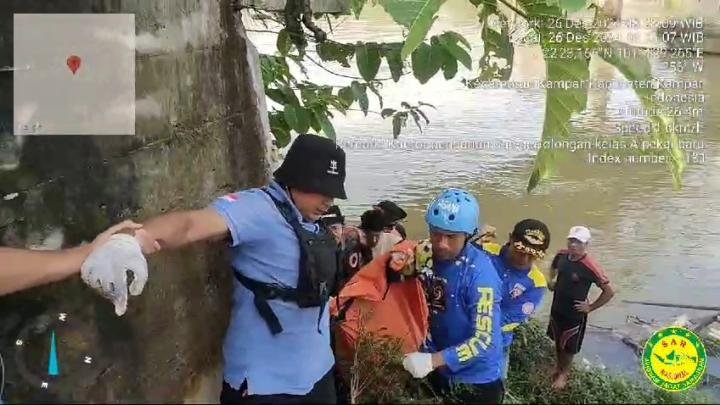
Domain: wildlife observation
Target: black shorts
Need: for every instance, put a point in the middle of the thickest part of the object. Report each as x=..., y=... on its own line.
x=322, y=393
x=567, y=332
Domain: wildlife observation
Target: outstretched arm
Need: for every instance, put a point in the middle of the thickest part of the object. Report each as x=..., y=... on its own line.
x=177, y=229
x=21, y=269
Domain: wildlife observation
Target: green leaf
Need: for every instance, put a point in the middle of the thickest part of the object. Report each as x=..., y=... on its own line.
x=279, y=128
x=387, y=112
x=426, y=61
x=573, y=5
x=415, y=15
x=284, y=43
x=394, y=60
x=497, y=59
x=314, y=120
x=457, y=52
x=560, y=106
x=277, y=96
x=357, y=6
x=449, y=66
x=297, y=118
x=419, y=111
x=635, y=66
x=331, y=51
x=416, y=118
x=367, y=56
x=373, y=87
x=346, y=96
x=360, y=93
x=455, y=38
x=427, y=104
x=327, y=126
x=398, y=122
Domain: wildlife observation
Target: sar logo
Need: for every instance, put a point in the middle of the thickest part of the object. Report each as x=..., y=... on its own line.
x=674, y=359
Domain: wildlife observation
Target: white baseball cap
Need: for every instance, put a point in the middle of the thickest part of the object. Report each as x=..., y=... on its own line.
x=580, y=233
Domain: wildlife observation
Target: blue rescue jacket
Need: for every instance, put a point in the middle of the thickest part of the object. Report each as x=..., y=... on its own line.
x=523, y=291
x=465, y=317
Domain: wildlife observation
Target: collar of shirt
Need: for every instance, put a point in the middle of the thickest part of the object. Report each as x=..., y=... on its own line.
x=282, y=194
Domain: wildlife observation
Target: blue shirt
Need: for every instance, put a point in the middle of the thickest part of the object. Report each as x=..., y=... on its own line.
x=523, y=291
x=467, y=331
x=265, y=248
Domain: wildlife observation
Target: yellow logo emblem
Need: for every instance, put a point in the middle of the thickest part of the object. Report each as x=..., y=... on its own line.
x=674, y=359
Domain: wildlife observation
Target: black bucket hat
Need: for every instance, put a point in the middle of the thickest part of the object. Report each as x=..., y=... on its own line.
x=314, y=164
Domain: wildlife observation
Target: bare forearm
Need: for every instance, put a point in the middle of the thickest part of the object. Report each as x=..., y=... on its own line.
x=603, y=299
x=177, y=229
x=21, y=269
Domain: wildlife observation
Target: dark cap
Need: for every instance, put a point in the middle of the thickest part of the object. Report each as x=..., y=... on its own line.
x=314, y=164
x=333, y=216
x=373, y=221
x=531, y=236
x=392, y=210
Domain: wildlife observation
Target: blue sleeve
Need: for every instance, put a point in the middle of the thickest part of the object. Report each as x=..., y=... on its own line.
x=521, y=308
x=484, y=313
x=240, y=211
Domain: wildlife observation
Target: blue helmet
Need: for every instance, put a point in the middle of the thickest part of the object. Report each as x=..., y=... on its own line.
x=454, y=210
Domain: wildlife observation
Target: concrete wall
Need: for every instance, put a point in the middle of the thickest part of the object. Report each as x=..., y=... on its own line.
x=202, y=131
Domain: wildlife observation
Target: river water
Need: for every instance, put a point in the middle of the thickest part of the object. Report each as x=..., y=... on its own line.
x=655, y=242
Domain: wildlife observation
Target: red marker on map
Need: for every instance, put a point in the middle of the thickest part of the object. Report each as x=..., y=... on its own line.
x=73, y=62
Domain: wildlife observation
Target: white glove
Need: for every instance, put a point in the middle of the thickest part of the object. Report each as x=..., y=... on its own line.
x=418, y=364
x=105, y=270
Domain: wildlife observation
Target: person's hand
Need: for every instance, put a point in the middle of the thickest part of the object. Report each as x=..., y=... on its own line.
x=418, y=364
x=105, y=236
x=105, y=269
x=582, y=306
x=551, y=285
x=487, y=234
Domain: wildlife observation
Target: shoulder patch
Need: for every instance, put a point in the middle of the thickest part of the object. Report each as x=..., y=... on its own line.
x=230, y=197
x=537, y=277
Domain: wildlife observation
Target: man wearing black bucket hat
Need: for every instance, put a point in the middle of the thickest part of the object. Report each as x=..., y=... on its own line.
x=285, y=261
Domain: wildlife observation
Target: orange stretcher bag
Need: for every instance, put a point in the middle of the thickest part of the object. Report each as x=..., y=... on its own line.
x=394, y=308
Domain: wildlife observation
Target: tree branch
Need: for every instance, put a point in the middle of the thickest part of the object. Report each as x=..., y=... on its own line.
x=340, y=74
x=370, y=111
x=515, y=9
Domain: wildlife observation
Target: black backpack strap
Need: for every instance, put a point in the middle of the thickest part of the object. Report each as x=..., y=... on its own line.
x=262, y=293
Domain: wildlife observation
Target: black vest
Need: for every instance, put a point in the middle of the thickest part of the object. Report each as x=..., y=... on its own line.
x=317, y=272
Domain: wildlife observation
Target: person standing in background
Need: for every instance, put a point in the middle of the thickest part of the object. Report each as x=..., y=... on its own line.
x=572, y=273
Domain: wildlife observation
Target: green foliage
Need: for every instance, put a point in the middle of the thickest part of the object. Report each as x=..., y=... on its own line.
x=449, y=40
x=331, y=51
x=426, y=61
x=565, y=62
x=415, y=15
x=635, y=67
x=284, y=43
x=357, y=7
x=368, y=59
x=399, y=118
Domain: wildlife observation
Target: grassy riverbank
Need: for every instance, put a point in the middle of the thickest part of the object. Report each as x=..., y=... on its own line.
x=531, y=361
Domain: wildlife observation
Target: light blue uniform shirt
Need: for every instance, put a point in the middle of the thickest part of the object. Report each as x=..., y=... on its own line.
x=265, y=248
